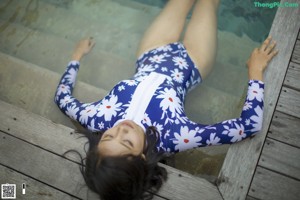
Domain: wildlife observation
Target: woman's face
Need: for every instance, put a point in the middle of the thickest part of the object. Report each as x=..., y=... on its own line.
x=123, y=139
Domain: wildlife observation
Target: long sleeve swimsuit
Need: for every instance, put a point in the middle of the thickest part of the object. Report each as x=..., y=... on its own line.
x=154, y=96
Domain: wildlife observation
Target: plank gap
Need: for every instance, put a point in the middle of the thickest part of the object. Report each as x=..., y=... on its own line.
x=289, y=102
x=40, y=147
x=296, y=52
x=268, y=185
x=278, y=173
x=39, y=181
x=277, y=140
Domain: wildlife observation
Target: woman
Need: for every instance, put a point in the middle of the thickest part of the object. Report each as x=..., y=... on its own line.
x=143, y=117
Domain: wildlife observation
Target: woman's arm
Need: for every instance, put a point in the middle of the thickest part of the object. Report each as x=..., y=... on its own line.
x=63, y=96
x=250, y=121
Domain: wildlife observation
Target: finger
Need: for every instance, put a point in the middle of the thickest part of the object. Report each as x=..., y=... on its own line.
x=92, y=44
x=274, y=53
x=265, y=43
x=271, y=47
x=91, y=41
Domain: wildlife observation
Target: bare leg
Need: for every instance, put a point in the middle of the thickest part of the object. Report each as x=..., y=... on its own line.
x=167, y=26
x=201, y=36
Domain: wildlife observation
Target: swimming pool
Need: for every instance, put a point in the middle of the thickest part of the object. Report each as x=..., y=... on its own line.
x=43, y=32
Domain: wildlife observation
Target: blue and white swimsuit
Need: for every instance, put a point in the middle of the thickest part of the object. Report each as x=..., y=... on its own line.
x=154, y=96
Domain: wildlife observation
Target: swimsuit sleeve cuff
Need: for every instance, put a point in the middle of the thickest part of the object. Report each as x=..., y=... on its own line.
x=74, y=63
x=261, y=83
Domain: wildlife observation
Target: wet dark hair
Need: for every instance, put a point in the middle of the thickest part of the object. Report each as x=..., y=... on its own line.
x=125, y=177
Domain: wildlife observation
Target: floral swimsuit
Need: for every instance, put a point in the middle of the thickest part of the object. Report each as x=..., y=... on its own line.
x=154, y=96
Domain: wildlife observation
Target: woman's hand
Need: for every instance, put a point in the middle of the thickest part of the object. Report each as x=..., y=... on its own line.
x=260, y=58
x=83, y=47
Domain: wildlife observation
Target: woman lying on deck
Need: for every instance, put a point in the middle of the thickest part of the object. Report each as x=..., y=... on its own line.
x=142, y=118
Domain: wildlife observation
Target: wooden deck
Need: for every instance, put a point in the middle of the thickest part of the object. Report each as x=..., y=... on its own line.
x=277, y=175
x=265, y=167
x=251, y=169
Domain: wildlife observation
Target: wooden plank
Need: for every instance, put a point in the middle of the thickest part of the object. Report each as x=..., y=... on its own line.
x=281, y=158
x=32, y=161
x=289, y=102
x=285, y=128
x=268, y=185
x=18, y=122
x=35, y=162
x=35, y=190
x=251, y=198
x=296, y=53
x=292, y=78
x=241, y=159
x=16, y=88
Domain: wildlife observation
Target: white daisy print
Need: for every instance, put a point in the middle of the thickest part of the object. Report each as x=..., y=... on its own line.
x=226, y=130
x=158, y=126
x=130, y=82
x=109, y=108
x=157, y=59
x=177, y=75
x=101, y=125
x=255, y=92
x=67, y=99
x=63, y=89
x=146, y=120
x=71, y=76
x=213, y=140
x=257, y=119
x=230, y=121
x=247, y=122
x=187, y=84
x=170, y=101
x=72, y=111
x=164, y=48
x=89, y=111
x=237, y=133
x=247, y=105
x=186, y=139
x=147, y=68
x=167, y=134
x=121, y=87
x=164, y=69
x=180, y=62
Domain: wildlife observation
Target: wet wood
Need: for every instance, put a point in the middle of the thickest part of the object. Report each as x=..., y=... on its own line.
x=292, y=78
x=280, y=157
x=296, y=54
x=34, y=190
x=42, y=144
x=268, y=185
x=289, y=102
x=285, y=128
x=240, y=163
x=42, y=165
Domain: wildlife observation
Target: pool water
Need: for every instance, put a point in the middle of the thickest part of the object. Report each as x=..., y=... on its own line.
x=238, y=16
x=44, y=32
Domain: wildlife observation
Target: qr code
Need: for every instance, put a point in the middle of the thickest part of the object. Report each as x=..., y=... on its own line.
x=8, y=191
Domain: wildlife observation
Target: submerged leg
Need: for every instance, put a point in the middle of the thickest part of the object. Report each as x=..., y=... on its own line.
x=201, y=35
x=167, y=26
